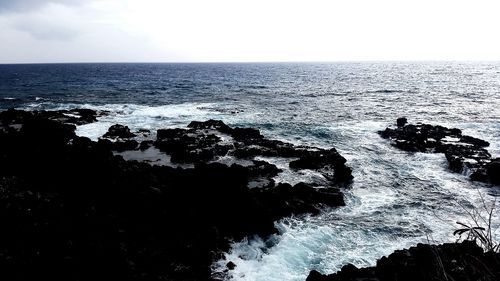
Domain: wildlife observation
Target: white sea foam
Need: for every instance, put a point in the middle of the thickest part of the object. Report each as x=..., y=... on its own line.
x=142, y=117
x=135, y=116
x=398, y=199
x=291, y=176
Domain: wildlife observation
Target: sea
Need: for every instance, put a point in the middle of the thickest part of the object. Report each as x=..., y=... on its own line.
x=397, y=199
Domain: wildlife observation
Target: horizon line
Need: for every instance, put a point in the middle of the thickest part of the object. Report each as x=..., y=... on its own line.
x=248, y=62
x=254, y=62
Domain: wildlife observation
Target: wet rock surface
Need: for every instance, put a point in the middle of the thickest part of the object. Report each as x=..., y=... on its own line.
x=73, y=116
x=212, y=139
x=455, y=261
x=71, y=209
x=465, y=154
x=118, y=131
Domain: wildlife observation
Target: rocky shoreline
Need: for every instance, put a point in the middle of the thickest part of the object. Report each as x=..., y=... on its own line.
x=464, y=261
x=165, y=204
x=465, y=154
x=454, y=261
x=75, y=209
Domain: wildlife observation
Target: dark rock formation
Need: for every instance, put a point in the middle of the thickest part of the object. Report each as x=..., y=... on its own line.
x=119, y=145
x=456, y=261
x=189, y=146
x=301, y=198
x=493, y=171
x=145, y=144
x=464, y=153
x=73, y=116
x=230, y=265
x=118, y=131
x=324, y=160
x=205, y=141
x=72, y=210
x=401, y=121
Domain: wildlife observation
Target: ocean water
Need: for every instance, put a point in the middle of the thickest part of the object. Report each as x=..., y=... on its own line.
x=397, y=199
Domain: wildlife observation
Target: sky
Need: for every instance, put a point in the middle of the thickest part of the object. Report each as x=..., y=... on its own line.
x=39, y=31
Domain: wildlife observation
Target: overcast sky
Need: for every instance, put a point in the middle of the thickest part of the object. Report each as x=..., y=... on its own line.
x=247, y=30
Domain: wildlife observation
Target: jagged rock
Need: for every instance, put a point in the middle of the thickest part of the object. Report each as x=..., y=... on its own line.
x=124, y=145
x=210, y=124
x=72, y=210
x=245, y=134
x=263, y=168
x=84, y=116
x=231, y=265
x=493, y=171
x=185, y=147
x=464, y=153
x=119, y=145
x=455, y=261
x=298, y=199
x=401, y=121
x=146, y=144
x=119, y=131
x=73, y=116
x=199, y=143
x=46, y=131
x=324, y=159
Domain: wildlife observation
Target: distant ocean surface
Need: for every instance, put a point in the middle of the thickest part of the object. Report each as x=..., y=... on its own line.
x=397, y=199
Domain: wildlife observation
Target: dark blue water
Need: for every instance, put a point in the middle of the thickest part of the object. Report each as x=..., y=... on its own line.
x=154, y=84
x=397, y=199
x=144, y=83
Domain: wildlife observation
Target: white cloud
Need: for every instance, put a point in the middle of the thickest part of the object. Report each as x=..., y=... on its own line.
x=53, y=22
x=258, y=30
x=29, y=5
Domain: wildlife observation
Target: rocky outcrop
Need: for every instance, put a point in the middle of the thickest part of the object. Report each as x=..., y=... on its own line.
x=465, y=154
x=456, y=261
x=493, y=171
x=212, y=139
x=70, y=209
x=330, y=162
x=73, y=116
x=118, y=131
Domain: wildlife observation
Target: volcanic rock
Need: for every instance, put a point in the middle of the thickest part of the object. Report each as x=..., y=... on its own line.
x=212, y=139
x=455, y=261
x=118, y=131
x=465, y=154
x=71, y=209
